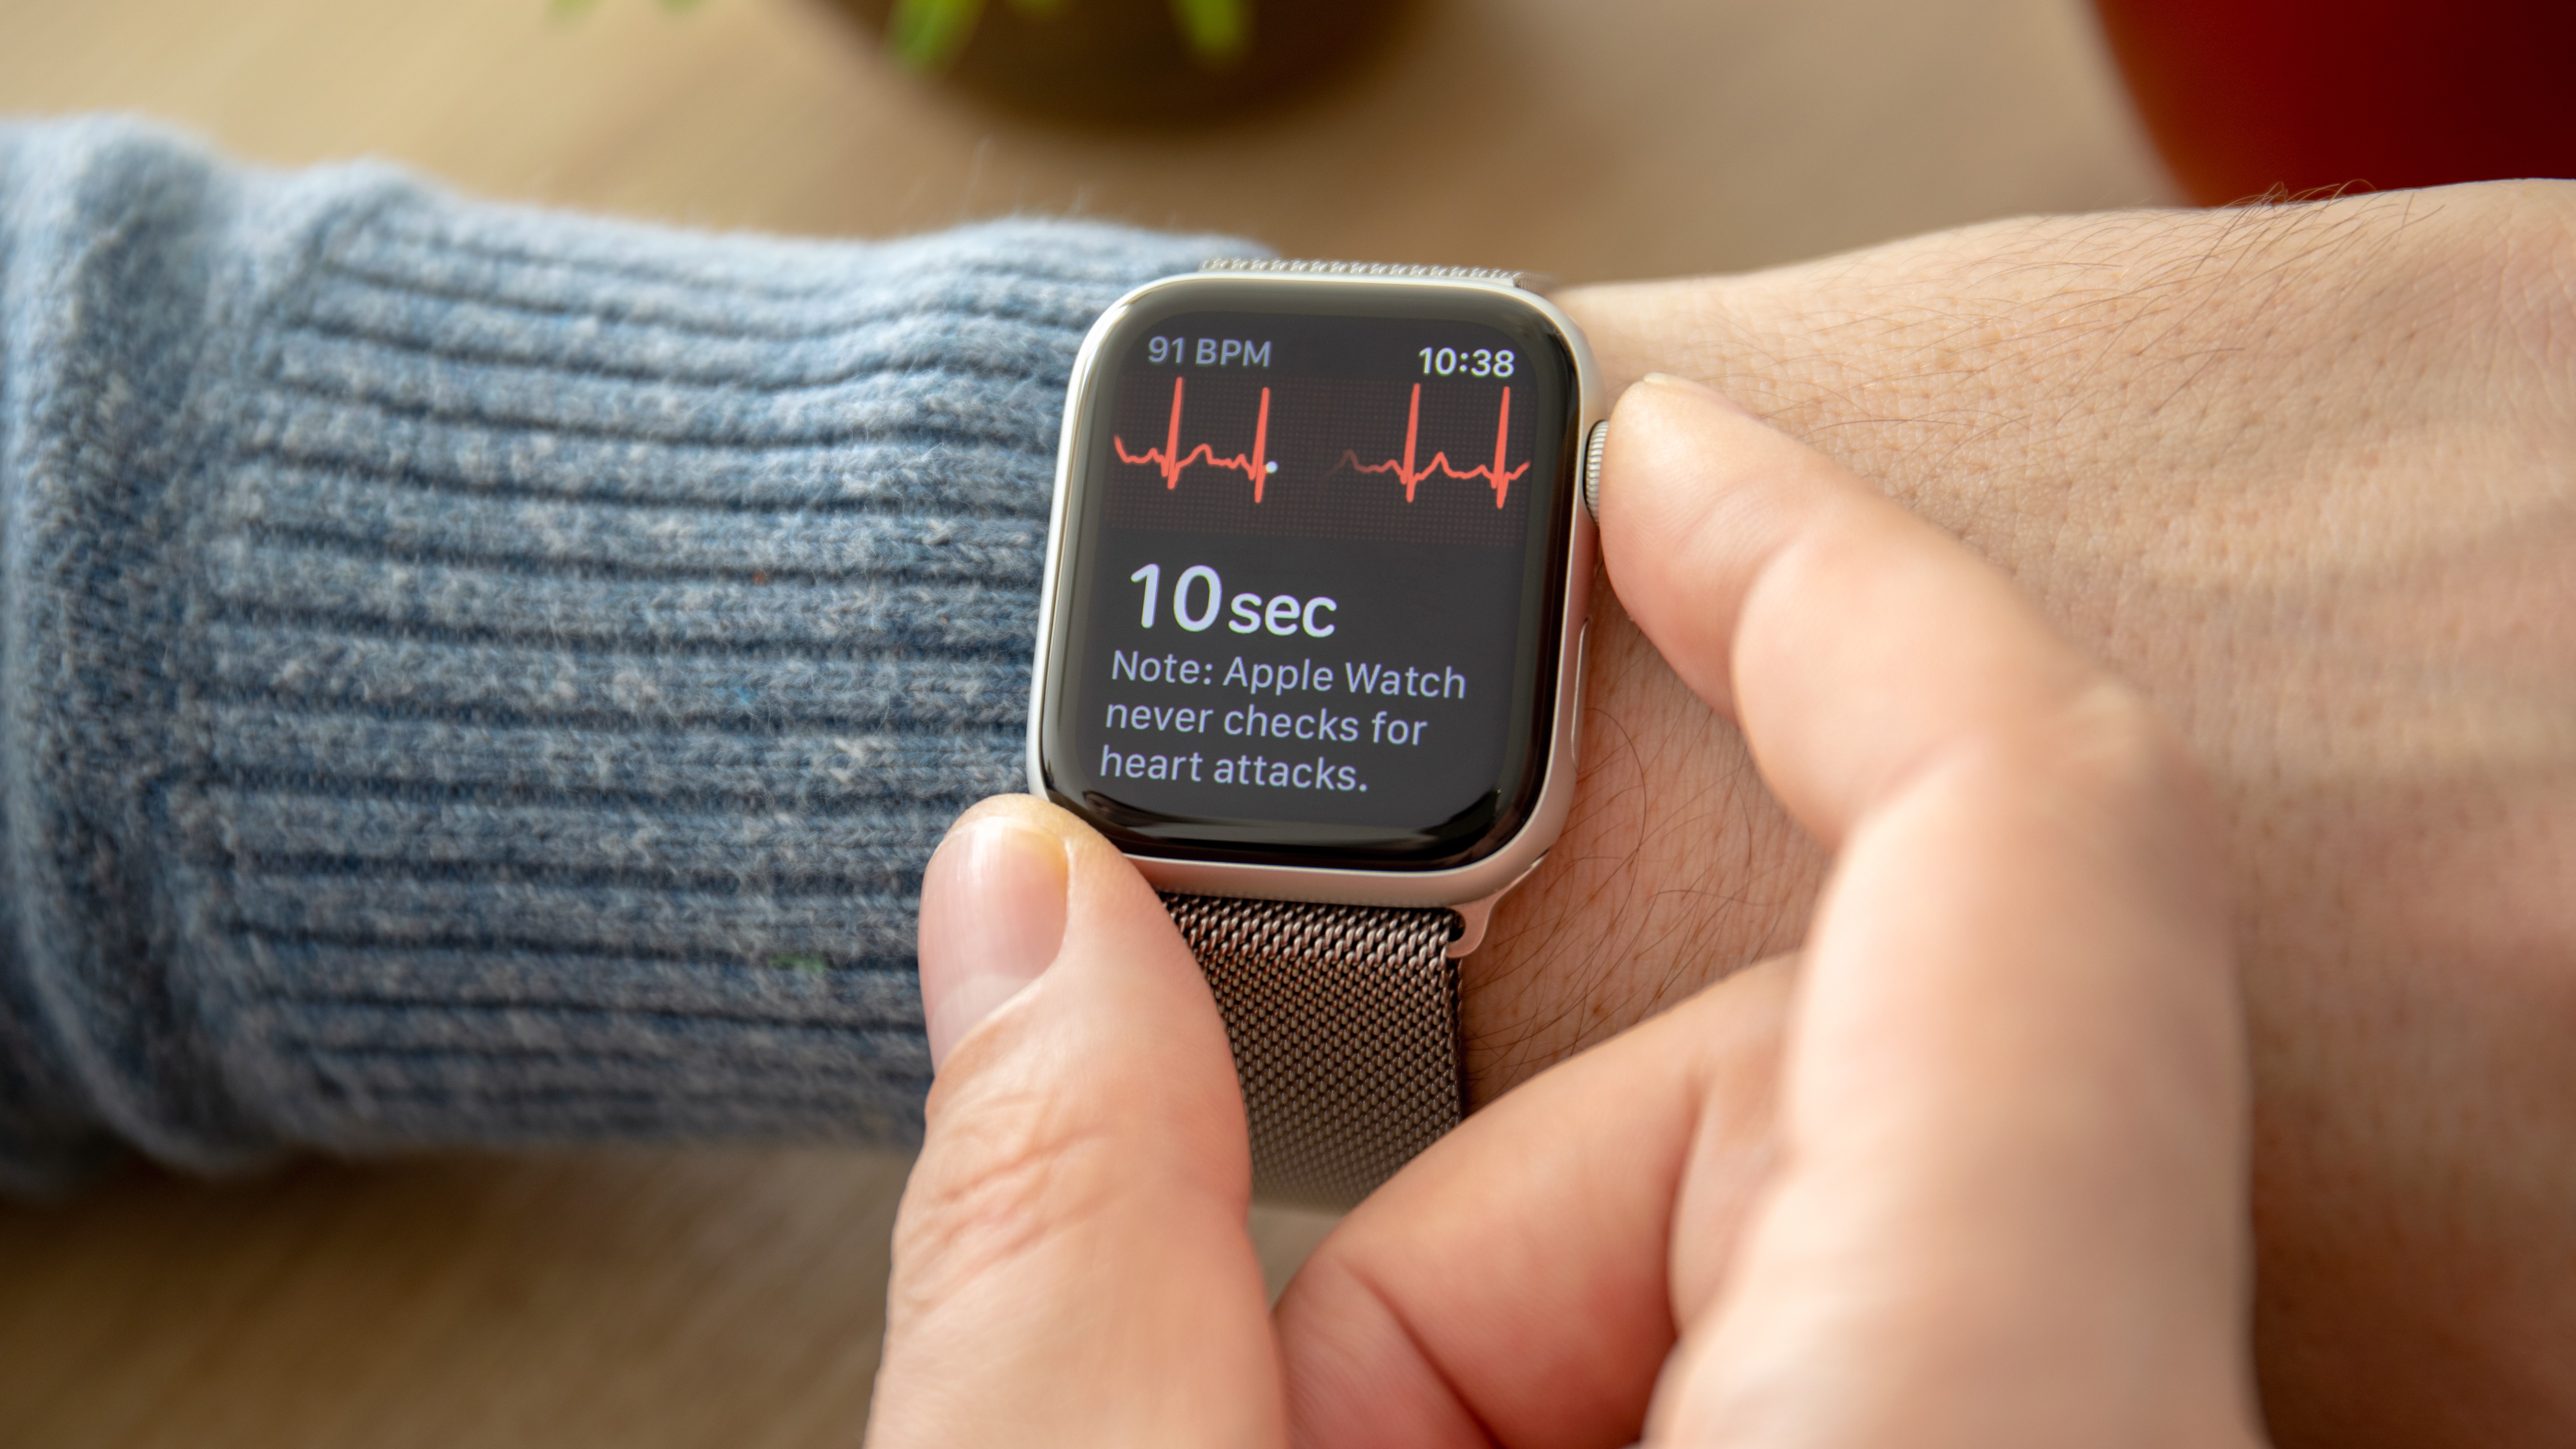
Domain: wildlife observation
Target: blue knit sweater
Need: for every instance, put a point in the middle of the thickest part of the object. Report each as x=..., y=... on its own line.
x=474, y=675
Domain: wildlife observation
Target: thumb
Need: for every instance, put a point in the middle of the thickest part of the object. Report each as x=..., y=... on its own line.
x=1070, y=1261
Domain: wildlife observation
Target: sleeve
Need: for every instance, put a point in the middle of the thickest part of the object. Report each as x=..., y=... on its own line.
x=472, y=675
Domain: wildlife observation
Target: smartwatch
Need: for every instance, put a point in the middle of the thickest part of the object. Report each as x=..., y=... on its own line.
x=1310, y=653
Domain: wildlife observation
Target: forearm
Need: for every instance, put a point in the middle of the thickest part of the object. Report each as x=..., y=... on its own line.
x=476, y=675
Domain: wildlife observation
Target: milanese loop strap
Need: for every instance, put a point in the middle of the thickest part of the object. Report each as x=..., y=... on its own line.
x=1344, y=1021
x=1308, y=267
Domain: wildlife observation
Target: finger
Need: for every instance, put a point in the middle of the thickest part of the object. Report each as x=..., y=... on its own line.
x=1775, y=582
x=1070, y=1261
x=2011, y=1123
x=1515, y=1283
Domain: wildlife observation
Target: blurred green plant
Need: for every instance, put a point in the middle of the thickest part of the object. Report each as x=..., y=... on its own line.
x=1219, y=31
x=928, y=35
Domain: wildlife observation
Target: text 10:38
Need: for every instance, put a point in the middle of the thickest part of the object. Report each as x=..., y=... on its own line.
x=1449, y=361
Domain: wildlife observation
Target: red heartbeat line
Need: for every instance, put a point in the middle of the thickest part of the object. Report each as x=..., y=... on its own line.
x=1169, y=460
x=1493, y=473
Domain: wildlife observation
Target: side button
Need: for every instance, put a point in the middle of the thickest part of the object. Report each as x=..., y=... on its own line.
x=1582, y=665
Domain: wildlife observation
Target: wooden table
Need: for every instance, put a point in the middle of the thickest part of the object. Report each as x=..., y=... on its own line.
x=732, y=1297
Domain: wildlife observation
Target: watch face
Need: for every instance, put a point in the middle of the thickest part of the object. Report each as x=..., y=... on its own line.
x=1311, y=575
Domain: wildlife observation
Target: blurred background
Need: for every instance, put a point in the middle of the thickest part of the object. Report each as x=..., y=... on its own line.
x=734, y=1297
x=1608, y=138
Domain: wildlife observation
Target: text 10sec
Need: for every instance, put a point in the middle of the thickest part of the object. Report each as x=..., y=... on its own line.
x=1199, y=593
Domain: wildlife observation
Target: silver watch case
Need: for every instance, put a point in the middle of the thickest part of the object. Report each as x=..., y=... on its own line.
x=1469, y=889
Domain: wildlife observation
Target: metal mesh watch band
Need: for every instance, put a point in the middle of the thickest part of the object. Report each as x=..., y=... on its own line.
x=1344, y=1022
x=1311, y=268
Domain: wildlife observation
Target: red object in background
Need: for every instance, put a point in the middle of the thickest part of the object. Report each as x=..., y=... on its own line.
x=2245, y=95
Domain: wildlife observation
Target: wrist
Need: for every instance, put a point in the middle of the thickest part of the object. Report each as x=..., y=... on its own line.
x=1676, y=869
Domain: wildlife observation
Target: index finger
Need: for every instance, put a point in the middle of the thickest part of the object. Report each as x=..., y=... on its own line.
x=2012, y=1109
x=1850, y=639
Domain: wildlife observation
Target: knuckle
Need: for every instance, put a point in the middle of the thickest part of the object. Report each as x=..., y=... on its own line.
x=2110, y=744
x=2110, y=719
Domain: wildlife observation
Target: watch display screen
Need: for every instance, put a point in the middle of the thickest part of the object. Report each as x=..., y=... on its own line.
x=1311, y=598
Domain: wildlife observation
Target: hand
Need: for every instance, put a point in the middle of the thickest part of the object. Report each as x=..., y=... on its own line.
x=2305, y=475
x=2007, y=1202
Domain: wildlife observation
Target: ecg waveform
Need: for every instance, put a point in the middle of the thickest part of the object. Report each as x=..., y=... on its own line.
x=1171, y=460
x=1495, y=475
x=1257, y=466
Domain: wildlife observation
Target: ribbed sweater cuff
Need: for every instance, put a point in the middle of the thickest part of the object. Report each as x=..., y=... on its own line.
x=484, y=676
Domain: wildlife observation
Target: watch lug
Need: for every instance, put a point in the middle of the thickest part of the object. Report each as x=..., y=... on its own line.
x=1474, y=915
